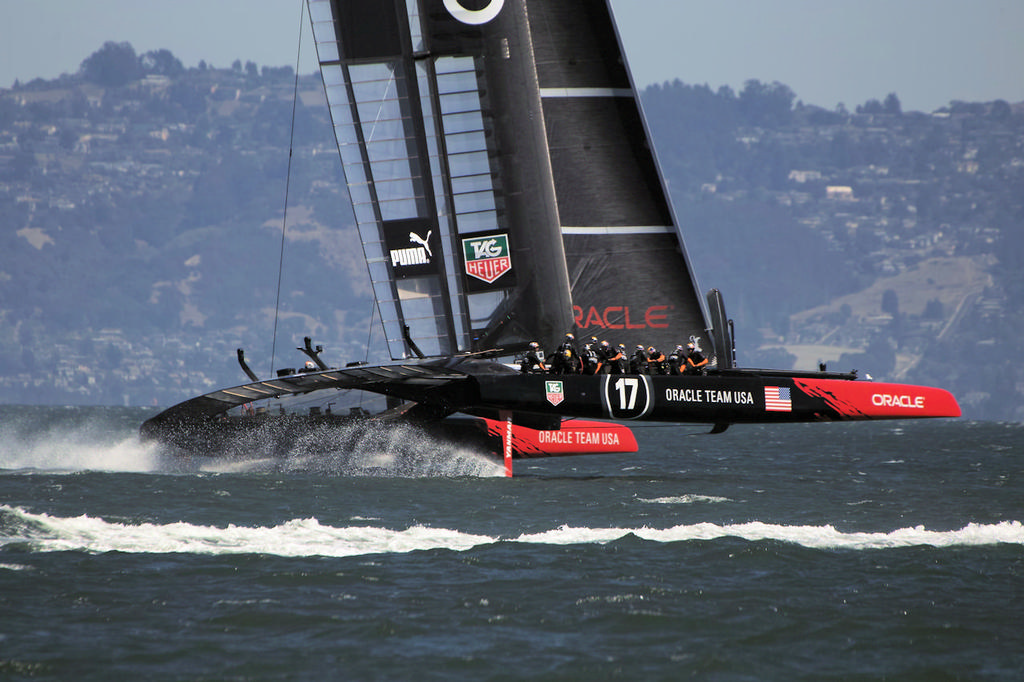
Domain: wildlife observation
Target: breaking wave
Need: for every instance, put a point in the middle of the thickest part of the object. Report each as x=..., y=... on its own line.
x=308, y=537
x=813, y=537
x=685, y=499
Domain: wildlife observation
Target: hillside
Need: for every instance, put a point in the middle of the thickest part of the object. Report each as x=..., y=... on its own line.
x=143, y=212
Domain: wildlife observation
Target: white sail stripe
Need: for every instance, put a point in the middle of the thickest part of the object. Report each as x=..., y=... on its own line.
x=629, y=229
x=586, y=92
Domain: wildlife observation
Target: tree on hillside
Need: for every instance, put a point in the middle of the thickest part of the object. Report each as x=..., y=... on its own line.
x=891, y=105
x=933, y=310
x=113, y=65
x=890, y=302
x=161, y=62
x=1001, y=110
x=766, y=105
x=872, y=106
x=699, y=125
x=278, y=73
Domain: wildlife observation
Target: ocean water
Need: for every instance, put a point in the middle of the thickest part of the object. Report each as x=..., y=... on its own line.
x=890, y=550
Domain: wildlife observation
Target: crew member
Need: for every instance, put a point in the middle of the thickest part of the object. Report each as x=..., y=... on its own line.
x=638, y=363
x=567, y=357
x=606, y=354
x=621, y=361
x=676, y=359
x=532, y=360
x=695, y=360
x=591, y=360
x=655, y=361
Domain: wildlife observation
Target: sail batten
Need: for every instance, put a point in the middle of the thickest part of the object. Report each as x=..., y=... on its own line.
x=621, y=229
x=585, y=92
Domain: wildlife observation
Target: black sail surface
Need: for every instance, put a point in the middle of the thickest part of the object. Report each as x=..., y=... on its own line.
x=631, y=279
x=501, y=174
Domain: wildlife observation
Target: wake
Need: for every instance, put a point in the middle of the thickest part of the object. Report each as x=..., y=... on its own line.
x=89, y=446
x=62, y=446
x=392, y=450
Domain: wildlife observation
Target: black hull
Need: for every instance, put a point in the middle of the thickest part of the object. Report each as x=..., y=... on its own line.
x=727, y=397
x=535, y=404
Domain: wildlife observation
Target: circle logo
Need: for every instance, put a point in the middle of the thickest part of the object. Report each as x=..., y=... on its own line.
x=627, y=396
x=474, y=17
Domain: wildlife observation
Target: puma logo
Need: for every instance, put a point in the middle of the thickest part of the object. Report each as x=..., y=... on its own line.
x=415, y=238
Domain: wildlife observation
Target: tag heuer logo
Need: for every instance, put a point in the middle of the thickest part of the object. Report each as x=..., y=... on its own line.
x=487, y=258
x=553, y=392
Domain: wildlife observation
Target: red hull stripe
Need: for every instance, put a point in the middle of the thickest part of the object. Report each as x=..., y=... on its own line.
x=871, y=400
x=576, y=437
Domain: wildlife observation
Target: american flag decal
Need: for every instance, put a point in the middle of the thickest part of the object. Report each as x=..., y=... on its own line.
x=777, y=399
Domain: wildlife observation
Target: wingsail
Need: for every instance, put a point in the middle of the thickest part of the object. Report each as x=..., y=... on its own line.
x=513, y=134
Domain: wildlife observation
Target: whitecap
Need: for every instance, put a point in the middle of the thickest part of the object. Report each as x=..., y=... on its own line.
x=298, y=537
x=815, y=537
x=684, y=499
x=308, y=537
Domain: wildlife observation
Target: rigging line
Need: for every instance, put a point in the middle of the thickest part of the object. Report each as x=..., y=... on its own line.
x=369, y=329
x=287, y=186
x=369, y=334
x=380, y=106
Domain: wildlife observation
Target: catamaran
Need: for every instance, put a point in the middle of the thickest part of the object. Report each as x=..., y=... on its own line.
x=506, y=191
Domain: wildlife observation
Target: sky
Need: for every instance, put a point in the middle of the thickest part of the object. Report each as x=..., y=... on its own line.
x=929, y=52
